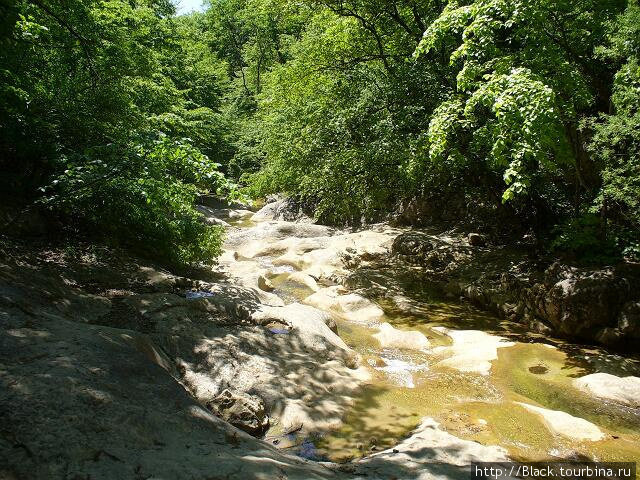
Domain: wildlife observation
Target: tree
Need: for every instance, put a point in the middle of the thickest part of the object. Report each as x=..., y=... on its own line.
x=102, y=124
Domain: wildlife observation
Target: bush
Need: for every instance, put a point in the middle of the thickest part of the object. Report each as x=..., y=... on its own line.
x=585, y=238
x=143, y=196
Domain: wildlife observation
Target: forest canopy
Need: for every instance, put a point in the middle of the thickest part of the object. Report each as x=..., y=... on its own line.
x=115, y=115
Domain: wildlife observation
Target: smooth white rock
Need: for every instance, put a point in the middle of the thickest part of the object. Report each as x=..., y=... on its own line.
x=624, y=390
x=390, y=337
x=566, y=425
x=472, y=350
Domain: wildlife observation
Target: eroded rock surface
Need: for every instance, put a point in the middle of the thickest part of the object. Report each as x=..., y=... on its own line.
x=566, y=425
x=241, y=410
x=429, y=453
x=388, y=336
x=350, y=305
x=623, y=390
x=471, y=350
x=129, y=367
x=89, y=401
x=598, y=305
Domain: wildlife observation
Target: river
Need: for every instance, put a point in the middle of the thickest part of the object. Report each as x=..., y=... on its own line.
x=480, y=377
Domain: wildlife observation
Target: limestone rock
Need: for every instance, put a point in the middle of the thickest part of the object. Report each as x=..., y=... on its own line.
x=352, y=306
x=311, y=326
x=578, y=302
x=241, y=410
x=472, y=350
x=83, y=401
x=623, y=390
x=303, y=279
x=429, y=453
x=566, y=425
x=265, y=284
x=390, y=337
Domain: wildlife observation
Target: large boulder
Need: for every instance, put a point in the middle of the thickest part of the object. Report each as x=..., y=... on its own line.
x=414, y=245
x=437, y=254
x=629, y=320
x=578, y=302
x=286, y=209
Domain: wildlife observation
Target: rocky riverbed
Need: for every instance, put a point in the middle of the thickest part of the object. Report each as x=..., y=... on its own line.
x=309, y=352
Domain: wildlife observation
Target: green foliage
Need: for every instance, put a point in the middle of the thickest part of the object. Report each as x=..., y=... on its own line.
x=521, y=87
x=336, y=127
x=616, y=141
x=143, y=194
x=502, y=100
x=527, y=106
x=584, y=237
x=113, y=110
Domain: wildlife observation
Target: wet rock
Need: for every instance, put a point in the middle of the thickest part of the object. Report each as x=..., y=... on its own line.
x=471, y=351
x=265, y=284
x=623, y=390
x=303, y=279
x=241, y=410
x=352, y=306
x=476, y=240
x=566, y=425
x=390, y=337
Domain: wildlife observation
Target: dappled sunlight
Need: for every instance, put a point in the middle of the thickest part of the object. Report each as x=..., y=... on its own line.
x=356, y=398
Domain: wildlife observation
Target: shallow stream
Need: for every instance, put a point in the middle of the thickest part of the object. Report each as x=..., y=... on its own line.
x=408, y=385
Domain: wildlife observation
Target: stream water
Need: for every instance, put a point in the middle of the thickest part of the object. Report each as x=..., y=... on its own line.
x=408, y=385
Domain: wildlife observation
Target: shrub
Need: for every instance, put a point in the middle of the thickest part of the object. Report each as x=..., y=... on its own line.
x=142, y=195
